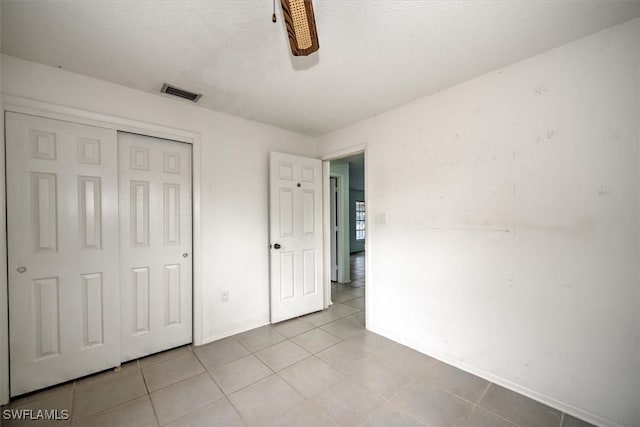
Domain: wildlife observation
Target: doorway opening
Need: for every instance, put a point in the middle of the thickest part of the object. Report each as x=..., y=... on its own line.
x=348, y=229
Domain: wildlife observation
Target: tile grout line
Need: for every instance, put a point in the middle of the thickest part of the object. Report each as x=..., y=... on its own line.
x=399, y=409
x=474, y=405
x=310, y=402
x=149, y=365
x=214, y=380
x=226, y=363
x=237, y=410
x=144, y=378
x=228, y=397
x=199, y=409
x=415, y=378
x=73, y=399
x=249, y=385
x=119, y=404
x=486, y=389
x=153, y=408
x=45, y=393
x=149, y=392
x=224, y=396
x=294, y=387
x=102, y=411
x=148, y=395
x=374, y=413
x=478, y=405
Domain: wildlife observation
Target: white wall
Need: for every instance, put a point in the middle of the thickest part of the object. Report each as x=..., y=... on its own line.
x=511, y=242
x=234, y=193
x=4, y=318
x=638, y=124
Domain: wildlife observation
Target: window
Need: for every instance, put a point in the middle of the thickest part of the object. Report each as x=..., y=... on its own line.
x=360, y=222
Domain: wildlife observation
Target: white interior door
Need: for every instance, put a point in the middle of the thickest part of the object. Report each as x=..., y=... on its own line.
x=62, y=218
x=155, y=244
x=334, y=228
x=296, y=236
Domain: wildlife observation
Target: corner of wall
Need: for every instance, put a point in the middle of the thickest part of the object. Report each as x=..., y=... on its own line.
x=4, y=315
x=637, y=26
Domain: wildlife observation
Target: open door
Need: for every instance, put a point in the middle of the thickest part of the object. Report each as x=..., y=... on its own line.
x=295, y=213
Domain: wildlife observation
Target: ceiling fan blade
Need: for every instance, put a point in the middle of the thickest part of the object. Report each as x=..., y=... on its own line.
x=301, y=26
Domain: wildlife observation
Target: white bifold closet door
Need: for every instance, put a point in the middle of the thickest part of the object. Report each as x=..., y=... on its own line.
x=155, y=244
x=99, y=248
x=62, y=223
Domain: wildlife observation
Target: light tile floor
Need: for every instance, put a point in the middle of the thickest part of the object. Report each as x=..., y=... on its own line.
x=323, y=369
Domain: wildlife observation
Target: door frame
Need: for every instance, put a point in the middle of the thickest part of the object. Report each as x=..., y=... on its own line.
x=31, y=107
x=340, y=237
x=337, y=223
x=344, y=272
x=326, y=185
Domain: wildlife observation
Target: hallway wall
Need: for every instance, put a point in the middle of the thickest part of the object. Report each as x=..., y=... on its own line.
x=504, y=225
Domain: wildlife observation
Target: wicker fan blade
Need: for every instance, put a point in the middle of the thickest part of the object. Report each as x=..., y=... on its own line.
x=301, y=26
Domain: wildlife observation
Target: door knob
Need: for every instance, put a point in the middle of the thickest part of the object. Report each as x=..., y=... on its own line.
x=22, y=269
x=277, y=246
x=185, y=255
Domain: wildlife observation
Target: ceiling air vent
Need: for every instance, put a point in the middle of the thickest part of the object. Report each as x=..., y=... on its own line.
x=172, y=90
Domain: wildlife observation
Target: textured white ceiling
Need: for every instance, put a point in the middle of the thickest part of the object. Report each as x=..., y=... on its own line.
x=374, y=55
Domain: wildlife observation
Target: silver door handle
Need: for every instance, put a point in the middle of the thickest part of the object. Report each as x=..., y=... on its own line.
x=22, y=269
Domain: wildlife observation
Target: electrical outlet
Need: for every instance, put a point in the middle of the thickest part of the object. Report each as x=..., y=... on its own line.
x=225, y=296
